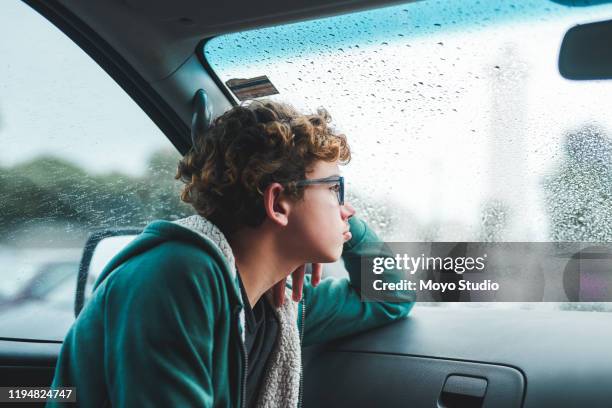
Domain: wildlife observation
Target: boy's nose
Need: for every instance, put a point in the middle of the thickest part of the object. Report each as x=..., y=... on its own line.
x=347, y=211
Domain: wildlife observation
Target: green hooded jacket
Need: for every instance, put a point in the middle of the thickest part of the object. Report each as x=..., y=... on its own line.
x=163, y=326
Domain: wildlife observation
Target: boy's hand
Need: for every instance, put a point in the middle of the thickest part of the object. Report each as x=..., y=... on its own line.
x=297, y=283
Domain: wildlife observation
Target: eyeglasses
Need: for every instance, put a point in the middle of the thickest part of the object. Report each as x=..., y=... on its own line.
x=338, y=188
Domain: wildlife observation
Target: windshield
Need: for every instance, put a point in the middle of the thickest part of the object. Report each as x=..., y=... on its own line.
x=461, y=127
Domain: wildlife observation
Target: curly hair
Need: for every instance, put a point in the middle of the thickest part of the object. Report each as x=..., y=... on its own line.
x=246, y=149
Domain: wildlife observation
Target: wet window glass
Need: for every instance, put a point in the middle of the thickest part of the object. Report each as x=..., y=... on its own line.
x=461, y=126
x=77, y=155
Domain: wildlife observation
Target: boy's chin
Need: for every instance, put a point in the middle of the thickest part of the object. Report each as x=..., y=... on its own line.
x=331, y=257
x=328, y=255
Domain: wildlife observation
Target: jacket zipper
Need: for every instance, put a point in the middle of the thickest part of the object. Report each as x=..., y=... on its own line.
x=244, y=376
x=245, y=360
x=301, y=354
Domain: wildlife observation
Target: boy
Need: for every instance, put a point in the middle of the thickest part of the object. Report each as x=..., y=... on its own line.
x=194, y=312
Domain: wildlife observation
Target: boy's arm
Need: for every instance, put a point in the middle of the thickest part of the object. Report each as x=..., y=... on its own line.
x=334, y=307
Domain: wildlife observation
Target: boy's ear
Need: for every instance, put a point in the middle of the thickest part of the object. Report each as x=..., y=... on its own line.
x=276, y=204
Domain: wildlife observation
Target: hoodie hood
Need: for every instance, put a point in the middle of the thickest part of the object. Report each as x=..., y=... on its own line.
x=196, y=230
x=209, y=231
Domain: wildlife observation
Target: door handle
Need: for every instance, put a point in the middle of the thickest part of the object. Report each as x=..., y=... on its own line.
x=460, y=391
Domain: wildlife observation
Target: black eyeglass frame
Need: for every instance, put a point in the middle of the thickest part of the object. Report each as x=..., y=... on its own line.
x=326, y=180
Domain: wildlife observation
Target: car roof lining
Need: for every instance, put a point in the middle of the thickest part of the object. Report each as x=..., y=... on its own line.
x=156, y=37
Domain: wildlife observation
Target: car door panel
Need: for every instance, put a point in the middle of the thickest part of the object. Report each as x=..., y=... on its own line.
x=359, y=379
x=563, y=357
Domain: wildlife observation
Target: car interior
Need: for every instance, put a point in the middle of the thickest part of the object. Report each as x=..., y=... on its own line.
x=437, y=357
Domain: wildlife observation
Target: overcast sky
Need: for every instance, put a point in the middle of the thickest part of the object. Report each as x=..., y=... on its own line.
x=55, y=100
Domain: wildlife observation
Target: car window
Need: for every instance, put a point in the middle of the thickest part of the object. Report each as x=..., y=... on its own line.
x=461, y=127
x=77, y=155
